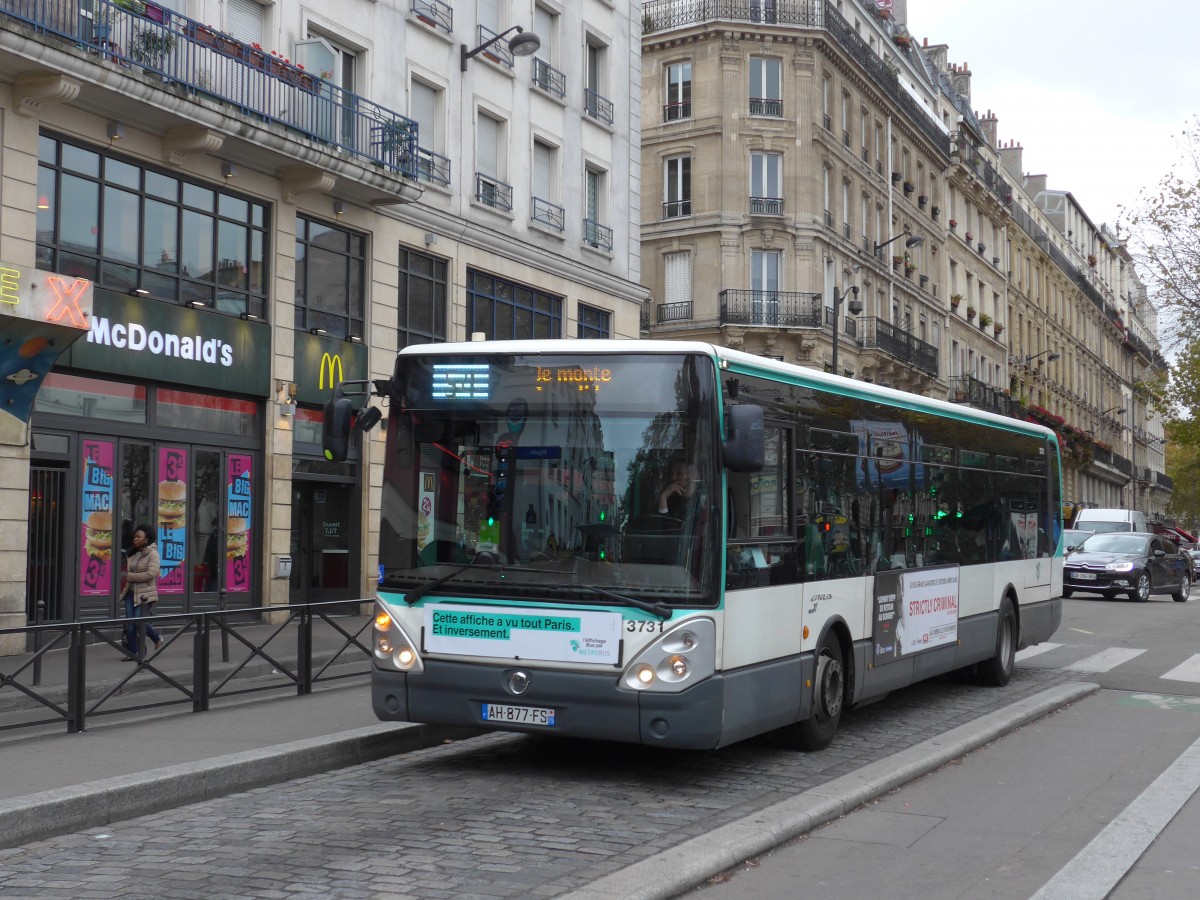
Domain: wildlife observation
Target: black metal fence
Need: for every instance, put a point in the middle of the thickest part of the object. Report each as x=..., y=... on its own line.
x=782, y=309
x=232, y=653
x=897, y=343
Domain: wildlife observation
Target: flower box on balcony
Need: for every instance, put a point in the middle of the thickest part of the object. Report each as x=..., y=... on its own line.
x=984, y=320
x=999, y=329
x=909, y=187
x=955, y=300
x=971, y=312
x=953, y=223
x=922, y=200
x=970, y=237
x=936, y=211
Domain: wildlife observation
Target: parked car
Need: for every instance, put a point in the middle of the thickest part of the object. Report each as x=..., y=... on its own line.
x=1194, y=555
x=1134, y=563
x=1073, y=537
x=1110, y=520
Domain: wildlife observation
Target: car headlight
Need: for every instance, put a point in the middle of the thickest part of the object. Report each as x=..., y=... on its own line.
x=1120, y=567
x=392, y=645
x=676, y=660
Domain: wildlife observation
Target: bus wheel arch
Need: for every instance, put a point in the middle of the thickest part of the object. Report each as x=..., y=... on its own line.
x=831, y=690
x=997, y=671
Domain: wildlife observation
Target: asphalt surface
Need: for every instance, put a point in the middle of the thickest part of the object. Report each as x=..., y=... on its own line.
x=63, y=784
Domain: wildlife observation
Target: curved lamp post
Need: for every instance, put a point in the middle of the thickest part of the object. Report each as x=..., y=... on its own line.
x=855, y=307
x=524, y=43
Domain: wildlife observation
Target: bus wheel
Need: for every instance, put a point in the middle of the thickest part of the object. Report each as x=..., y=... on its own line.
x=829, y=688
x=998, y=670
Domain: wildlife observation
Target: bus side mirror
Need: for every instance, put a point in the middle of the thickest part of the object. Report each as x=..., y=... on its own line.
x=335, y=427
x=744, y=449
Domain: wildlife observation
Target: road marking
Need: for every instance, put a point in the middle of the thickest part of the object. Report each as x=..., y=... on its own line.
x=1188, y=670
x=1099, y=866
x=1036, y=649
x=1083, y=631
x=1105, y=660
x=1161, y=701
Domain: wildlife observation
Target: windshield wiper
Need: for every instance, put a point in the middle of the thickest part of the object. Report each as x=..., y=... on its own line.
x=657, y=609
x=414, y=595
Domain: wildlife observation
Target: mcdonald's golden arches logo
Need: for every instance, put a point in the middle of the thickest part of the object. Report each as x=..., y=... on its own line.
x=331, y=362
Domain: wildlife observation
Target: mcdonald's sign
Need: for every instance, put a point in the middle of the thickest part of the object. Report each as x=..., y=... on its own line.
x=323, y=362
x=331, y=363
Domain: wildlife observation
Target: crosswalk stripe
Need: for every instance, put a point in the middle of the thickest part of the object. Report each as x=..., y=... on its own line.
x=1036, y=649
x=1189, y=670
x=1105, y=660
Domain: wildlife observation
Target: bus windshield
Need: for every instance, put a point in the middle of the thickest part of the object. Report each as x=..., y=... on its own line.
x=564, y=477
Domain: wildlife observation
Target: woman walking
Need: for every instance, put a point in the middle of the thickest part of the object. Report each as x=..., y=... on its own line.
x=142, y=576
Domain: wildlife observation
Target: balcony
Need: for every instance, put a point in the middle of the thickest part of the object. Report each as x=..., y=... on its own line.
x=549, y=214
x=597, y=236
x=677, y=209
x=497, y=52
x=493, y=193
x=549, y=79
x=597, y=107
x=1164, y=480
x=849, y=323
x=131, y=42
x=434, y=13
x=676, y=112
x=899, y=344
x=780, y=309
x=675, y=312
x=766, y=107
x=433, y=167
x=969, y=389
x=766, y=206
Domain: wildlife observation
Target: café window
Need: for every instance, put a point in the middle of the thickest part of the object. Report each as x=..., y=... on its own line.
x=330, y=279
x=125, y=225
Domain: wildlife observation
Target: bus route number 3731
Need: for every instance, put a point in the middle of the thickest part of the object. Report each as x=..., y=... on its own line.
x=518, y=715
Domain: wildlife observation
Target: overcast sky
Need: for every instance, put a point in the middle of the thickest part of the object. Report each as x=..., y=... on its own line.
x=1096, y=92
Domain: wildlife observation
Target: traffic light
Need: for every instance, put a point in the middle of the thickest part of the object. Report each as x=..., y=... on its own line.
x=335, y=425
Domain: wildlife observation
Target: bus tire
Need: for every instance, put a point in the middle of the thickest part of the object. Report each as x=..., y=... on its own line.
x=996, y=671
x=829, y=693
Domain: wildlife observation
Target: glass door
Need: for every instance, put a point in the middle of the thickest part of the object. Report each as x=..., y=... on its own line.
x=323, y=527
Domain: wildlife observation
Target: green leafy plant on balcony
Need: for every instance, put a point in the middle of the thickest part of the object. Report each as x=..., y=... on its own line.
x=984, y=320
x=150, y=46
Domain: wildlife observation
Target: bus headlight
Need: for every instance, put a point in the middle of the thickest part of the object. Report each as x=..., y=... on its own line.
x=393, y=646
x=675, y=660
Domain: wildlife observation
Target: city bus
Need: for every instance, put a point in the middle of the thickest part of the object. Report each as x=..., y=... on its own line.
x=681, y=545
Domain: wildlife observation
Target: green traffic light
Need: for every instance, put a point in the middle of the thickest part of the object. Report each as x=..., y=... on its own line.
x=602, y=515
x=491, y=521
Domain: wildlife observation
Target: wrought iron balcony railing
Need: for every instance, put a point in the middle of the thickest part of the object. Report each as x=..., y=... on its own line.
x=766, y=206
x=680, y=311
x=677, y=209
x=548, y=78
x=969, y=389
x=674, y=112
x=549, y=214
x=210, y=65
x=766, y=107
x=1165, y=480
x=433, y=167
x=781, y=309
x=597, y=236
x=849, y=323
x=435, y=13
x=899, y=344
x=597, y=107
x=491, y=192
x=497, y=52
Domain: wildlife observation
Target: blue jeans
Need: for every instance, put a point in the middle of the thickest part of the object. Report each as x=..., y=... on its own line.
x=144, y=629
x=131, y=634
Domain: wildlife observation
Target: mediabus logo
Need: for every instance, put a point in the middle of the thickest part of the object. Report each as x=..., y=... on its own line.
x=135, y=337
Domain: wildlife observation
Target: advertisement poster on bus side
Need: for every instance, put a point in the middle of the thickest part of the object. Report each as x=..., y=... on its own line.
x=172, y=519
x=914, y=610
x=97, y=532
x=888, y=454
x=238, y=530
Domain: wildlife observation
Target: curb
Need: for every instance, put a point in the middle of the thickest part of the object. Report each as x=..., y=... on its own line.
x=693, y=862
x=50, y=813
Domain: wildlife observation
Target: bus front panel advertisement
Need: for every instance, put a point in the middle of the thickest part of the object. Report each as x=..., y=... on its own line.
x=575, y=540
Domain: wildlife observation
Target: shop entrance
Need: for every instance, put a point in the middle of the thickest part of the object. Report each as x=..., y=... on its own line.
x=323, y=520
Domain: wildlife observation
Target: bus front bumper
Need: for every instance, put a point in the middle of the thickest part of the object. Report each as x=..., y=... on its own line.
x=586, y=704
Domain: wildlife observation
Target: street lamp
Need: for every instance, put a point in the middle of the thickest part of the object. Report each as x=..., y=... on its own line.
x=526, y=43
x=1054, y=354
x=855, y=306
x=914, y=240
x=1119, y=410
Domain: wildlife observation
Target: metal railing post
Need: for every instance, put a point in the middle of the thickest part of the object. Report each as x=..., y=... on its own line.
x=39, y=616
x=224, y=626
x=76, y=681
x=304, y=653
x=200, y=651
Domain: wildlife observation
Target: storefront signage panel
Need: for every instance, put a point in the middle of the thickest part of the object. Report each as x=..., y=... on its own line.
x=159, y=341
x=172, y=519
x=96, y=531
x=322, y=363
x=238, y=527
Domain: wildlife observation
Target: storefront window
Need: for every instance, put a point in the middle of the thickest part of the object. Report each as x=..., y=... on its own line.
x=154, y=229
x=205, y=412
x=71, y=395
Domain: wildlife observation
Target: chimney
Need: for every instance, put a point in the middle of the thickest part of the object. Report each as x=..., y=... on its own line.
x=990, y=125
x=900, y=11
x=938, y=54
x=960, y=80
x=1011, y=160
x=1034, y=185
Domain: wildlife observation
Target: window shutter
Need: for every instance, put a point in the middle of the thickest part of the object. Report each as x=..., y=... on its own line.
x=543, y=169
x=423, y=110
x=679, y=277
x=244, y=20
x=543, y=27
x=489, y=15
x=487, y=138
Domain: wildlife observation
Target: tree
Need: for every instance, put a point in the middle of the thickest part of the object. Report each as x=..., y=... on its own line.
x=1165, y=241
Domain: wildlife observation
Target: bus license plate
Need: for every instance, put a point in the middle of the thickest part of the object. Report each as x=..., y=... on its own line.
x=1084, y=576
x=518, y=715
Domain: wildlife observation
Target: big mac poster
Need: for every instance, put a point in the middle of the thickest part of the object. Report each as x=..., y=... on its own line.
x=172, y=519
x=96, y=530
x=237, y=524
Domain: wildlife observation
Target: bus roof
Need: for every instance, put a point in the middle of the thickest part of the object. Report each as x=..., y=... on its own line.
x=723, y=355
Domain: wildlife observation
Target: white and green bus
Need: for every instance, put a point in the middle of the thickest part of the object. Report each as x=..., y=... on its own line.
x=680, y=545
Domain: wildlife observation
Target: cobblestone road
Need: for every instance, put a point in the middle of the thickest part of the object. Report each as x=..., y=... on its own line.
x=496, y=816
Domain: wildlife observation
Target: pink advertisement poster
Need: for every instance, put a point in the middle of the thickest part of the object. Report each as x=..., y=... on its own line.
x=238, y=529
x=96, y=531
x=172, y=519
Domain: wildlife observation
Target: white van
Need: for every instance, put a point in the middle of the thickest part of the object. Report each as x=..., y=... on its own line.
x=1110, y=520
